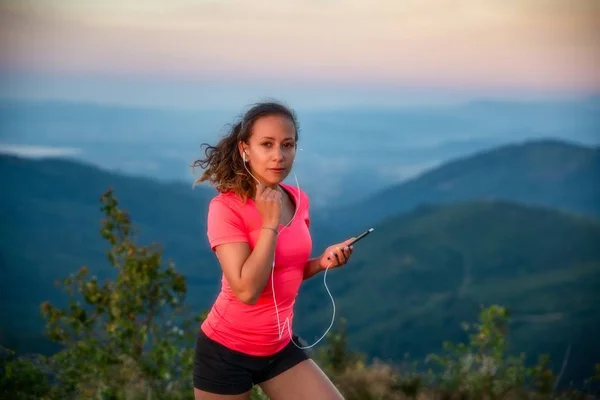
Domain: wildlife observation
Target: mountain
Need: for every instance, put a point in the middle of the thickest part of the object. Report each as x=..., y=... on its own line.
x=346, y=154
x=413, y=281
x=407, y=288
x=50, y=212
x=548, y=173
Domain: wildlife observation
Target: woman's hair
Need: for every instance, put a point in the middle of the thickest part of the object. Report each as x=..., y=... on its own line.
x=223, y=165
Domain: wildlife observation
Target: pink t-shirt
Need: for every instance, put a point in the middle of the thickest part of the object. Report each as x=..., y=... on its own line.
x=253, y=329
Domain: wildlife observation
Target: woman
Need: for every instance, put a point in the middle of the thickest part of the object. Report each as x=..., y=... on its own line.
x=258, y=228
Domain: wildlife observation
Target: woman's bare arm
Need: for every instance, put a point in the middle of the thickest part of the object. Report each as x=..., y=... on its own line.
x=246, y=271
x=312, y=268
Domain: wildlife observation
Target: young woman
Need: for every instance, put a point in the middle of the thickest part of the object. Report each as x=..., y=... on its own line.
x=259, y=229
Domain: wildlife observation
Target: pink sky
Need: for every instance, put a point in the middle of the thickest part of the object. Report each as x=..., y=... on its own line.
x=531, y=45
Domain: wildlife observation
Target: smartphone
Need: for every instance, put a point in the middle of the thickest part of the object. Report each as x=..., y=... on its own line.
x=359, y=237
x=356, y=239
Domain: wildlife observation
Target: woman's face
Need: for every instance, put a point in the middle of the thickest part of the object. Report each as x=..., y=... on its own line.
x=271, y=149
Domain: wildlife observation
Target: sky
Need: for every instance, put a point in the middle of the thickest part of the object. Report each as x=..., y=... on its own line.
x=203, y=52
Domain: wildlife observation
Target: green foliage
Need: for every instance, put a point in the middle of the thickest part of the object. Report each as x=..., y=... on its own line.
x=596, y=376
x=542, y=377
x=409, y=382
x=22, y=378
x=482, y=368
x=336, y=356
x=128, y=337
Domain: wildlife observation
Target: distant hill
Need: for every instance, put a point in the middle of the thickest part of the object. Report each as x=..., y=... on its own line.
x=417, y=277
x=404, y=299
x=50, y=213
x=548, y=173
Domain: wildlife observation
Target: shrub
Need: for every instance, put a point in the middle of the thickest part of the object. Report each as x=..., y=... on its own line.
x=126, y=338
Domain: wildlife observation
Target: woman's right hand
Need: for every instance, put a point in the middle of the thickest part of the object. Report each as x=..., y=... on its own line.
x=269, y=205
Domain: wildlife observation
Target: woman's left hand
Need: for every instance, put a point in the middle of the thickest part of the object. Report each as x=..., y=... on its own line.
x=336, y=255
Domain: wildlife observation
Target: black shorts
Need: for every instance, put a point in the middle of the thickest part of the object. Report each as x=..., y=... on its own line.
x=218, y=369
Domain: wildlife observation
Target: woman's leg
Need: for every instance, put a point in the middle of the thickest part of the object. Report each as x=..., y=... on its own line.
x=303, y=381
x=202, y=395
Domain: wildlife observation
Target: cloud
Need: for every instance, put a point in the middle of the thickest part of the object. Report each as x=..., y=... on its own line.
x=38, y=151
x=403, y=172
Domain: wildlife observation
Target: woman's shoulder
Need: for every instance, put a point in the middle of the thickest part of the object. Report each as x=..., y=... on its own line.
x=227, y=198
x=226, y=206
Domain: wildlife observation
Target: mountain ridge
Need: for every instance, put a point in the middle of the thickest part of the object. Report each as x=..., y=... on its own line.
x=549, y=172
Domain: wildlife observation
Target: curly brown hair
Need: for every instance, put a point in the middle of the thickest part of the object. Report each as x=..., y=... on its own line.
x=223, y=165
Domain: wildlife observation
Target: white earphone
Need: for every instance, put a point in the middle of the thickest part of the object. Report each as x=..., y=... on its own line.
x=287, y=319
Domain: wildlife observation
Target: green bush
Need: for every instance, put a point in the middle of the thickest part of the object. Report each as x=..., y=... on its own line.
x=23, y=378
